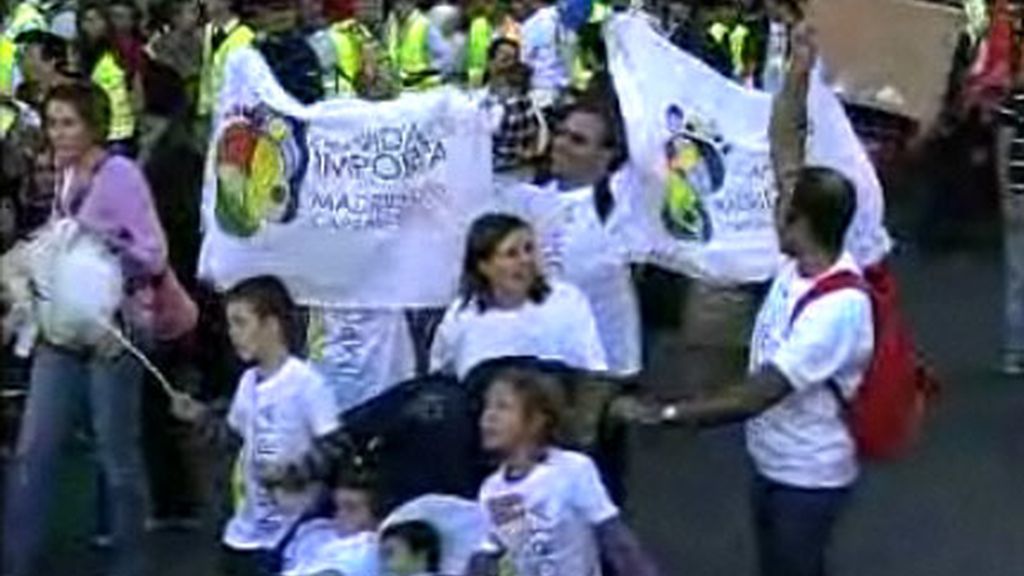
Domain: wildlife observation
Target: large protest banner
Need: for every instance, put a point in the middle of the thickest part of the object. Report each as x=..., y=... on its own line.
x=699, y=144
x=351, y=203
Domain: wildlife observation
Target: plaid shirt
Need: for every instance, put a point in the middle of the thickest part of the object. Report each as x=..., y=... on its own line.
x=1011, y=114
x=515, y=140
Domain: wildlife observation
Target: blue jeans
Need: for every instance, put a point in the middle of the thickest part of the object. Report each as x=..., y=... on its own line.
x=61, y=382
x=794, y=527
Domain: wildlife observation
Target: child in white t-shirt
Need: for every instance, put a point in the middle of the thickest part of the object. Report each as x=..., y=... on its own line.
x=284, y=420
x=549, y=513
x=410, y=549
x=345, y=541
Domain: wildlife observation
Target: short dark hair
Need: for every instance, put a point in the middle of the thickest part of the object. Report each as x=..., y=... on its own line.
x=53, y=48
x=485, y=235
x=602, y=101
x=420, y=537
x=268, y=298
x=348, y=475
x=828, y=200
x=496, y=45
x=90, y=103
x=542, y=395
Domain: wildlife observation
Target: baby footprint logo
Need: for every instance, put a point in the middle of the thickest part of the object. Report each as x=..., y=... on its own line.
x=261, y=160
x=696, y=170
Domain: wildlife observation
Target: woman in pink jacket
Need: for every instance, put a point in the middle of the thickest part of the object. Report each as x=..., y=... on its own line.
x=108, y=196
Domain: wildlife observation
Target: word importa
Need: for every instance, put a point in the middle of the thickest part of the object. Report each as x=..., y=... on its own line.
x=385, y=154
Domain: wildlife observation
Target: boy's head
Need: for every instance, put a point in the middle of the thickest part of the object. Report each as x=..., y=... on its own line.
x=260, y=315
x=356, y=506
x=818, y=214
x=410, y=548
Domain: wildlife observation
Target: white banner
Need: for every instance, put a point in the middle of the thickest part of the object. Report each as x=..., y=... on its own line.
x=699, y=143
x=351, y=203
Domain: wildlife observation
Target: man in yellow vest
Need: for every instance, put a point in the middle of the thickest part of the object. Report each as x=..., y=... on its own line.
x=223, y=34
x=583, y=63
x=340, y=47
x=729, y=38
x=417, y=48
x=26, y=16
x=109, y=75
x=478, y=43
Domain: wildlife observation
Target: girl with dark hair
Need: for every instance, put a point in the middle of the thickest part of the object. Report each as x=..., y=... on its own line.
x=108, y=197
x=507, y=308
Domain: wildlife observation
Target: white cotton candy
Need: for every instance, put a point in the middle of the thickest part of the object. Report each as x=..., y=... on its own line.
x=77, y=282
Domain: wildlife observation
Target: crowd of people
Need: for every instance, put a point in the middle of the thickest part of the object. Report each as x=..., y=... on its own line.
x=106, y=112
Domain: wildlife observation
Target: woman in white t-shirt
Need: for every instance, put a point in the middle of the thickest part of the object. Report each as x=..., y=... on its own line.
x=508, y=309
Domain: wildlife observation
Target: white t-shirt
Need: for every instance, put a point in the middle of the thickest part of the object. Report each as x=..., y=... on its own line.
x=803, y=441
x=278, y=419
x=361, y=353
x=560, y=328
x=542, y=50
x=318, y=547
x=545, y=522
x=590, y=254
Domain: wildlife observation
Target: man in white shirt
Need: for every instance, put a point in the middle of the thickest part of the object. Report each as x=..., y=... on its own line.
x=805, y=365
x=579, y=214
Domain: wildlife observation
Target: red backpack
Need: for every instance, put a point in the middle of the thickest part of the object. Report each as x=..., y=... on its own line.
x=888, y=412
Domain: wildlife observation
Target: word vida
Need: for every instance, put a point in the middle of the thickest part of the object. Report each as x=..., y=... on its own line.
x=385, y=154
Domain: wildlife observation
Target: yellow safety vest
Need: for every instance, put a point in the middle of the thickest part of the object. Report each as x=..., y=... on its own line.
x=477, y=47
x=348, y=38
x=8, y=117
x=26, y=16
x=408, y=45
x=238, y=36
x=737, y=37
x=8, y=60
x=110, y=76
x=581, y=73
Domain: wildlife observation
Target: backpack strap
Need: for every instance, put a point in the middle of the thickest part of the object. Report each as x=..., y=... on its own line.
x=842, y=280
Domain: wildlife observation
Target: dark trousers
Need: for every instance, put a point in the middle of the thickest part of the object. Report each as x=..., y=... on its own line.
x=794, y=527
x=169, y=451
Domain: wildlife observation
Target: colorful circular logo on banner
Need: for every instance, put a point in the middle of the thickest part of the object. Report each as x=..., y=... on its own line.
x=261, y=161
x=696, y=170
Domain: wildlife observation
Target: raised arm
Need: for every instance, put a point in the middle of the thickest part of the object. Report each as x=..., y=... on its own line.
x=787, y=130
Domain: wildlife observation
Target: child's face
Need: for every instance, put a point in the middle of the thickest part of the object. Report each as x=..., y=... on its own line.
x=504, y=424
x=250, y=334
x=353, y=510
x=399, y=560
